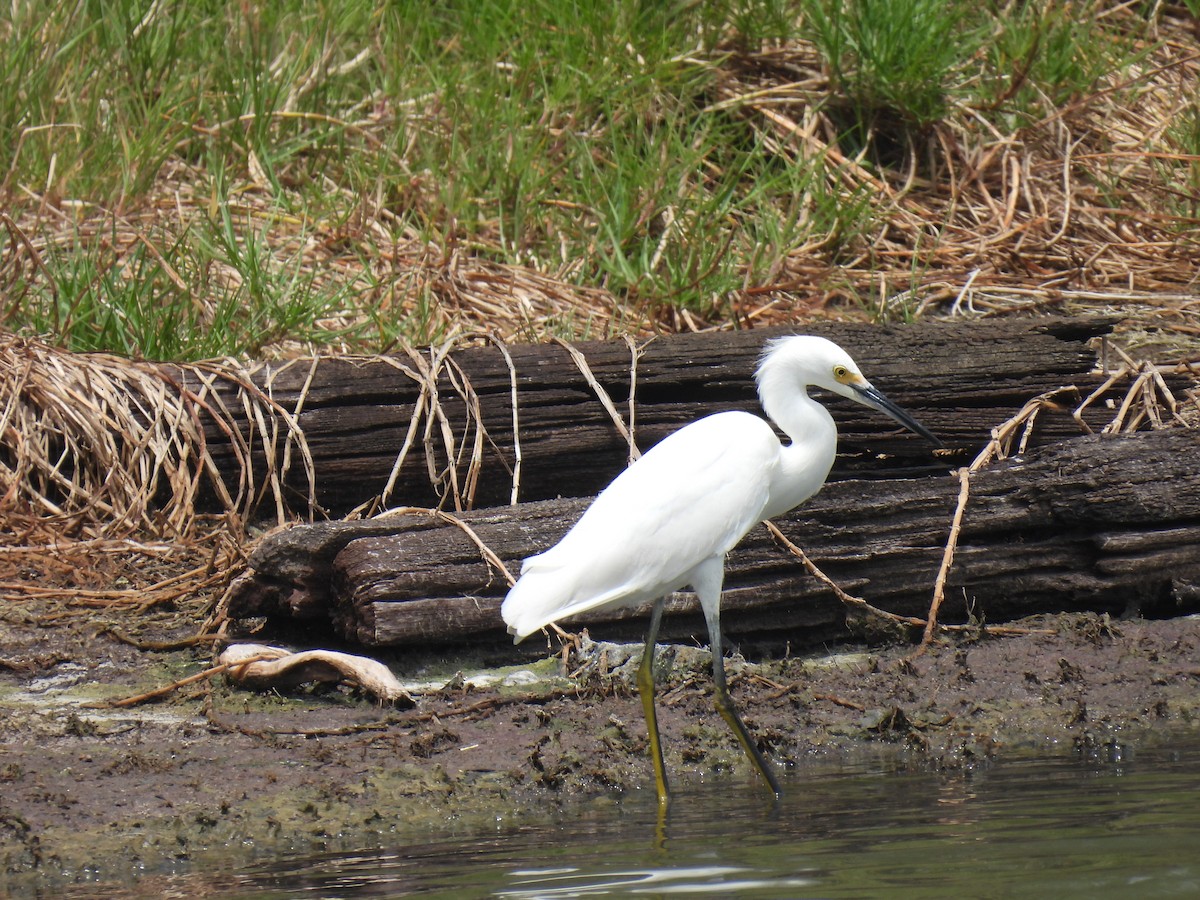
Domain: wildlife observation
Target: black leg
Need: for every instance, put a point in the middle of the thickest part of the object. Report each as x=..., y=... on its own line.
x=707, y=580
x=725, y=707
x=645, y=682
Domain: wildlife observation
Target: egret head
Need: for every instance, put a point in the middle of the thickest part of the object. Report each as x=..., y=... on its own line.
x=804, y=360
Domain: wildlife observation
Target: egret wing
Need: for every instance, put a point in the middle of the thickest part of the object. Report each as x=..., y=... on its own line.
x=692, y=497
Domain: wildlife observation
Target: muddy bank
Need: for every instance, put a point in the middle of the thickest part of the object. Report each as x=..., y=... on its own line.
x=93, y=792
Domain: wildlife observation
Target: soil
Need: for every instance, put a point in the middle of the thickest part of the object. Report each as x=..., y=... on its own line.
x=92, y=791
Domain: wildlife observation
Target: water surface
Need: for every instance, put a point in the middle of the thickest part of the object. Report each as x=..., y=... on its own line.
x=1126, y=823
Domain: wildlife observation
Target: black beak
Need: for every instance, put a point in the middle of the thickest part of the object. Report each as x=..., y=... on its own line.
x=873, y=398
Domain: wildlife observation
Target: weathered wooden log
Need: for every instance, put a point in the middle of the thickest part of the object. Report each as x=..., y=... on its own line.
x=960, y=379
x=1100, y=523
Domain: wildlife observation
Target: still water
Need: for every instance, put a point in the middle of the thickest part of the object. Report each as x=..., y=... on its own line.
x=1124, y=823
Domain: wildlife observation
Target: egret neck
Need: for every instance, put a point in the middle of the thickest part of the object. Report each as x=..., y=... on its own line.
x=804, y=463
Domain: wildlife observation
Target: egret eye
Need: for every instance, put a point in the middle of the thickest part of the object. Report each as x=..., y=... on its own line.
x=840, y=372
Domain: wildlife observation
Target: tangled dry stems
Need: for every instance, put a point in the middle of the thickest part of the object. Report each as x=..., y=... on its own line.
x=103, y=465
x=1088, y=209
x=104, y=446
x=1071, y=212
x=1093, y=207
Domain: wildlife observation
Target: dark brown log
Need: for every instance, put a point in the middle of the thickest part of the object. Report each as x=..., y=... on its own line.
x=1100, y=523
x=960, y=379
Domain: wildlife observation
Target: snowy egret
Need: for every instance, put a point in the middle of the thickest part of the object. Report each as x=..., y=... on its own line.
x=668, y=520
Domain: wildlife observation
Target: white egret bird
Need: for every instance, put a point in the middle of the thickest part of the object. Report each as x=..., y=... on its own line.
x=668, y=520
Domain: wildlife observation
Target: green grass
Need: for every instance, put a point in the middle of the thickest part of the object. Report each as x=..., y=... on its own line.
x=896, y=59
x=901, y=67
x=186, y=179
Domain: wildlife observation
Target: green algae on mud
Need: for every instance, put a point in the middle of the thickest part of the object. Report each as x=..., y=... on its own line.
x=113, y=794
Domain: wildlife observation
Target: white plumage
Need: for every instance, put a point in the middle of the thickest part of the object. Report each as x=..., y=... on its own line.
x=643, y=536
x=668, y=520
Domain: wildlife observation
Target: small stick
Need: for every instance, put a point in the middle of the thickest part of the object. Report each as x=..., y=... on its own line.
x=832, y=698
x=602, y=395
x=939, y=583
x=516, y=427
x=848, y=599
x=175, y=685
x=160, y=645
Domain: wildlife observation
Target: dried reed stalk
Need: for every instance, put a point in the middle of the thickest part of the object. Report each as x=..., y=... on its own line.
x=1145, y=400
x=1078, y=211
x=104, y=447
x=445, y=452
x=1089, y=209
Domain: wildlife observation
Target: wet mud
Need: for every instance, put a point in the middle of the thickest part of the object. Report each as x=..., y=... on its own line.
x=90, y=791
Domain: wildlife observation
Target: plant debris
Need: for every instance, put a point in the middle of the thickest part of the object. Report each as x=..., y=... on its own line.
x=259, y=668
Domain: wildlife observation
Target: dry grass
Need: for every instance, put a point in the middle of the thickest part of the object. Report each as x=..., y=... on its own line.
x=103, y=462
x=1093, y=208
x=1085, y=210
x=103, y=446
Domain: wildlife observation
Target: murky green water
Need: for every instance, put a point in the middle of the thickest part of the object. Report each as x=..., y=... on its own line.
x=1126, y=824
